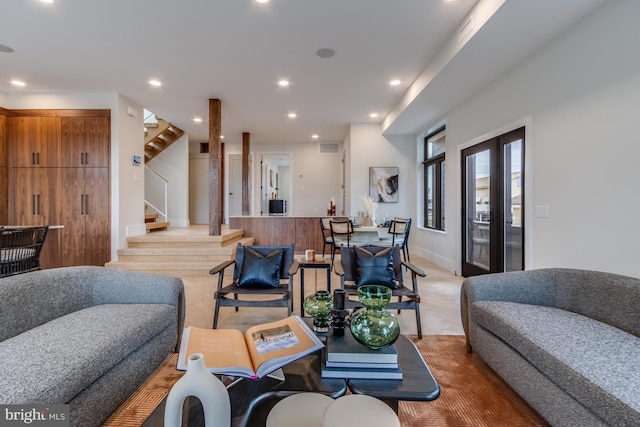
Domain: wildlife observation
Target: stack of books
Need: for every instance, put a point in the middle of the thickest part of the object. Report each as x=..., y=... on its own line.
x=344, y=357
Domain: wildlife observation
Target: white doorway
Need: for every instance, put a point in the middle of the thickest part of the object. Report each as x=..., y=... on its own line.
x=235, y=185
x=198, y=190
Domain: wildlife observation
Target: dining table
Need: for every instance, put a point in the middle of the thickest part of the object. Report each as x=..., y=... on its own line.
x=370, y=234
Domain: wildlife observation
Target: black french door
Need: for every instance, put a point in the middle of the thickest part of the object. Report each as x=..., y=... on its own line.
x=493, y=205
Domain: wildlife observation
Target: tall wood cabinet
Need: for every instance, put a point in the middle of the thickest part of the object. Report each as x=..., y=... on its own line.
x=59, y=175
x=4, y=174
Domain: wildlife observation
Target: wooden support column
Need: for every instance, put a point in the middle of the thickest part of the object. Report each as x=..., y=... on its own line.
x=215, y=167
x=246, y=146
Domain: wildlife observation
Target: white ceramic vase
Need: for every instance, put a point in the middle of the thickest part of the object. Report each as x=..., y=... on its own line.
x=200, y=383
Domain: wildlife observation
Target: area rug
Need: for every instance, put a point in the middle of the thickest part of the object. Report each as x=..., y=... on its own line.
x=471, y=393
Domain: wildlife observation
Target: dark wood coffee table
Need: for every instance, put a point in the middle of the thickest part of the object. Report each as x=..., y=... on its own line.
x=417, y=381
x=251, y=400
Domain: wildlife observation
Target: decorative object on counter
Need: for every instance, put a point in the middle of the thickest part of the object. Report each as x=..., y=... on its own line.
x=370, y=207
x=310, y=254
x=198, y=382
x=339, y=313
x=383, y=184
x=372, y=325
x=331, y=210
x=319, y=305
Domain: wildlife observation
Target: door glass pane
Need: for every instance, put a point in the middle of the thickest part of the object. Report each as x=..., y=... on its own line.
x=430, y=196
x=477, y=245
x=513, y=206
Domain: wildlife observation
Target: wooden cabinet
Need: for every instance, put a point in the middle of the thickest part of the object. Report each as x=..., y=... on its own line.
x=58, y=168
x=303, y=232
x=83, y=204
x=30, y=196
x=33, y=141
x=85, y=141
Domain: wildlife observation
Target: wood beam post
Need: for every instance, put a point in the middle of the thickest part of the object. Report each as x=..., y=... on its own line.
x=215, y=167
x=246, y=146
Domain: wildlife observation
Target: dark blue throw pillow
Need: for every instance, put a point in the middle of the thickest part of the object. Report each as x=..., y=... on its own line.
x=260, y=271
x=375, y=269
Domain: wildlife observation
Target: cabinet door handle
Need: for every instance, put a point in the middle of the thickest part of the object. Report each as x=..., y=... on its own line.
x=81, y=204
x=33, y=204
x=33, y=158
x=39, y=210
x=86, y=158
x=86, y=203
x=38, y=157
x=81, y=158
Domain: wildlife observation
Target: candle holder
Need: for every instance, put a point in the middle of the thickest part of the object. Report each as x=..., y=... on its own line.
x=339, y=315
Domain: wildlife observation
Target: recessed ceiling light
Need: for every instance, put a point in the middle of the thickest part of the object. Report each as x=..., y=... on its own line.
x=325, y=52
x=395, y=82
x=373, y=115
x=6, y=49
x=18, y=83
x=221, y=136
x=155, y=83
x=283, y=82
x=262, y=1
x=197, y=119
x=46, y=1
x=315, y=136
x=292, y=115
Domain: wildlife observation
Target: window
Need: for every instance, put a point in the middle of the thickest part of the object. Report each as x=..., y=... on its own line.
x=434, y=171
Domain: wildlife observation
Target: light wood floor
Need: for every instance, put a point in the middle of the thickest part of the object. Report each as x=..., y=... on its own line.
x=440, y=306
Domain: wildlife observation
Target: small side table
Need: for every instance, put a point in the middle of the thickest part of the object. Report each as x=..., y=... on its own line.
x=315, y=264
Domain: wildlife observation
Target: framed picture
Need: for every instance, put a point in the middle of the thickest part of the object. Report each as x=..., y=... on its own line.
x=383, y=184
x=271, y=177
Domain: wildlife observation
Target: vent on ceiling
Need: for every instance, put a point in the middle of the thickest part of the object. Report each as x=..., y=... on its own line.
x=329, y=147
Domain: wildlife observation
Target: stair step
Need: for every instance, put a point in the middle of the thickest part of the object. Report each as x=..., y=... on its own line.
x=173, y=269
x=172, y=239
x=151, y=217
x=161, y=225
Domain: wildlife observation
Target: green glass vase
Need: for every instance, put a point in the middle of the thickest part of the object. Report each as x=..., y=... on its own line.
x=319, y=305
x=372, y=325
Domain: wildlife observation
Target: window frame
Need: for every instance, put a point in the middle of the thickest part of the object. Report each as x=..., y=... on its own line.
x=438, y=162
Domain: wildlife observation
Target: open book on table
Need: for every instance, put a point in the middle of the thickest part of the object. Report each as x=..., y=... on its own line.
x=254, y=354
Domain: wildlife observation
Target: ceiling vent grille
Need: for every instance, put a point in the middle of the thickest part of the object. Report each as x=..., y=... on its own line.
x=329, y=147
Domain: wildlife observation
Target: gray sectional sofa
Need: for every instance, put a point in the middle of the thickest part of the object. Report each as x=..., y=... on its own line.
x=85, y=336
x=566, y=340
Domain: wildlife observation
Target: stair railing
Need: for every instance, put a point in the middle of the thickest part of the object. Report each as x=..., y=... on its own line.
x=155, y=192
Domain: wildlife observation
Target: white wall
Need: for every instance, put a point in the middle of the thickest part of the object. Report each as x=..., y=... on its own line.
x=368, y=148
x=314, y=176
x=580, y=97
x=173, y=165
x=127, y=139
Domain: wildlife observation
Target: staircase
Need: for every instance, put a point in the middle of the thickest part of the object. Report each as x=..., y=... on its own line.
x=179, y=251
x=152, y=223
x=158, y=136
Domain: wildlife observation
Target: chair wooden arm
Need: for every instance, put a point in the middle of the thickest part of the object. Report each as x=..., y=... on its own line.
x=220, y=267
x=414, y=269
x=293, y=270
x=338, y=269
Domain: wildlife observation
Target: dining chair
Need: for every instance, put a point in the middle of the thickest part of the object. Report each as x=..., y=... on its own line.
x=341, y=235
x=399, y=229
x=325, y=228
x=20, y=249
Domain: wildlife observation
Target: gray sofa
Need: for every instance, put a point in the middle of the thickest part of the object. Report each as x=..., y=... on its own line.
x=85, y=336
x=567, y=341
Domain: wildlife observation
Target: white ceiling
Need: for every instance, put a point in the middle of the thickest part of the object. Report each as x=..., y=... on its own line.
x=237, y=50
